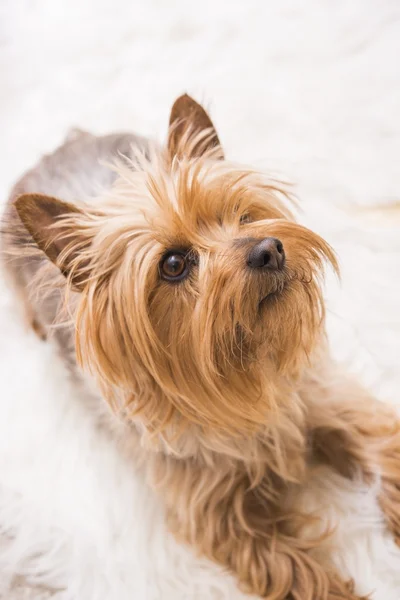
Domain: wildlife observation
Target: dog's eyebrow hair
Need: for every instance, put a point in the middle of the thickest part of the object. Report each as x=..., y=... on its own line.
x=244, y=241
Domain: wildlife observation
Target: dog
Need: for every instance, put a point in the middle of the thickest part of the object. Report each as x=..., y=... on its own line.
x=182, y=286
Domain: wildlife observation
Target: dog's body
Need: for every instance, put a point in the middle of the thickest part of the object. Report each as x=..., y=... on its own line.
x=192, y=296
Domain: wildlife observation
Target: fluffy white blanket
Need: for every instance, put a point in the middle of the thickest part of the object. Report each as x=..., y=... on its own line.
x=311, y=89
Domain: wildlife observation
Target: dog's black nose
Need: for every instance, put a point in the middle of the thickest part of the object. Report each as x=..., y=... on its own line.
x=268, y=253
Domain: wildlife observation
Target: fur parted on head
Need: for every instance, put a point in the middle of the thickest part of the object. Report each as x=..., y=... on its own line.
x=176, y=325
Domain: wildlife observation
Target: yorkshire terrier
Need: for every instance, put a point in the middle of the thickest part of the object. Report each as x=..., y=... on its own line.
x=182, y=284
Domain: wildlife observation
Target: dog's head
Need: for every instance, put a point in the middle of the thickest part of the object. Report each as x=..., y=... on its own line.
x=198, y=293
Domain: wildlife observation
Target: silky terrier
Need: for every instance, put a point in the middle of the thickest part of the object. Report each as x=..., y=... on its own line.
x=182, y=285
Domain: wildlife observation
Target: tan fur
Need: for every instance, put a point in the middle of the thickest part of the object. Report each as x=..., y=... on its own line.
x=226, y=376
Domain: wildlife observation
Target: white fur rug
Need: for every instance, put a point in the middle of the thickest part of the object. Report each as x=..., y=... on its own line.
x=310, y=88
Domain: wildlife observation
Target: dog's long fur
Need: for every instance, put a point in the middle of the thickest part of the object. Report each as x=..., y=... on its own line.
x=225, y=378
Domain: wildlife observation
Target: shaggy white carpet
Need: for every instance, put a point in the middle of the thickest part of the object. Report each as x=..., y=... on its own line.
x=309, y=88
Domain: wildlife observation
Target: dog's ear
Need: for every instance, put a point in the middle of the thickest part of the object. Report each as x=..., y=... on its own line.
x=191, y=131
x=51, y=224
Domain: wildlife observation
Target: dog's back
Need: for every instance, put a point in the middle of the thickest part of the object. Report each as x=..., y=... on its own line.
x=78, y=170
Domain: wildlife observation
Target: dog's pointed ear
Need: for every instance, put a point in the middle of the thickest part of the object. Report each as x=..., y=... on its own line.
x=50, y=222
x=191, y=131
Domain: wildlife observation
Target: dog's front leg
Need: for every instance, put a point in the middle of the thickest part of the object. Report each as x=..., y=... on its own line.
x=353, y=432
x=230, y=522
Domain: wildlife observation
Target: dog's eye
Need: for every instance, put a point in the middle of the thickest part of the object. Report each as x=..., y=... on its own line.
x=174, y=266
x=246, y=218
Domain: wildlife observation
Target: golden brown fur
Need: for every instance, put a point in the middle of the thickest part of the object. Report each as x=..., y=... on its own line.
x=226, y=375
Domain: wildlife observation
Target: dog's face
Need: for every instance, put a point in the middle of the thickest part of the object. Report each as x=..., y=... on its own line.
x=198, y=293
